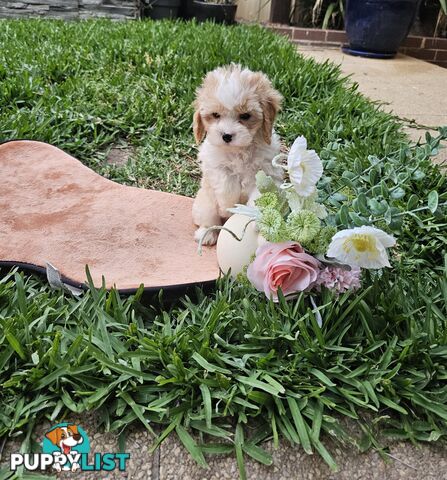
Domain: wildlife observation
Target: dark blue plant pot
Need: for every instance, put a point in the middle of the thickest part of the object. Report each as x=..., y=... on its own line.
x=217, y=12
x=161, y=9
x=376, y=28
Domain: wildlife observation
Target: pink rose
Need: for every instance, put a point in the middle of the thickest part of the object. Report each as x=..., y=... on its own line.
x=282, y=265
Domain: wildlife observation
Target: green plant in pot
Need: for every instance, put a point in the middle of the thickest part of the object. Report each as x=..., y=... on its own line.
x=220, y=11
x=161, y=9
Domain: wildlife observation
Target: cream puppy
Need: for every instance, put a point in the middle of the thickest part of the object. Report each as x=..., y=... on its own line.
x=234, y=111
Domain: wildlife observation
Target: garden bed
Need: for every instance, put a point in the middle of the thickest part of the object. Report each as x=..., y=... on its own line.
x=211, y=364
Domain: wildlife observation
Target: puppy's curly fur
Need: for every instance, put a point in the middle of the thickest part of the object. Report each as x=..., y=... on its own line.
x=234, y=111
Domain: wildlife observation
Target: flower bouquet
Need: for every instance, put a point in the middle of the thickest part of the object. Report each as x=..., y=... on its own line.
x=294, y=246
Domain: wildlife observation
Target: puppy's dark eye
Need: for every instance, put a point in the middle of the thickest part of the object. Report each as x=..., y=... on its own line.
x=244, y=116
x=215, y=115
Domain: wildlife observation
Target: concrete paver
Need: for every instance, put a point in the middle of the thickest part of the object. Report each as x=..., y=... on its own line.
x=426, y=462
x=173, y=462
x=412, y=89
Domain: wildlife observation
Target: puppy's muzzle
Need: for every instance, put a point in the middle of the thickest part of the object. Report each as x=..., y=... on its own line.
x=226, y=137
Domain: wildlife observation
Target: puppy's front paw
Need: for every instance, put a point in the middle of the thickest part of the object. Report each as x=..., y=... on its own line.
x=209, y=237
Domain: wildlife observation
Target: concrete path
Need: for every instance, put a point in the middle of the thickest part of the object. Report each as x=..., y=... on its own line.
x=414, y=90
x=172, y=462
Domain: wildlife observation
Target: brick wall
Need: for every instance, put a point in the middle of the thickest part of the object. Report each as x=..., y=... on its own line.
x=70, y=9
x=433, y=50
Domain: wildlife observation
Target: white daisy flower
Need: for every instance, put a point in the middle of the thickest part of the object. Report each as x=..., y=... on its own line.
x=363, y=247
x=304, y=166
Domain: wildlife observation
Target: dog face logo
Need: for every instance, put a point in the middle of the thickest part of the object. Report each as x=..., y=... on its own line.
x=65, y=437
x=66, y=442
x=66, y=447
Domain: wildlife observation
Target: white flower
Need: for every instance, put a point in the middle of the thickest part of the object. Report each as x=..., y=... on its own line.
x=363, y=247
x=304, y=166
x=251, y=212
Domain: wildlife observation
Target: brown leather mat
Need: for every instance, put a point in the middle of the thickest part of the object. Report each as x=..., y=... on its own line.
x=54, y=209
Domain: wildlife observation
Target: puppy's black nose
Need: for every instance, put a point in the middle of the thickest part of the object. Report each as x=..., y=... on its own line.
x=226, y=137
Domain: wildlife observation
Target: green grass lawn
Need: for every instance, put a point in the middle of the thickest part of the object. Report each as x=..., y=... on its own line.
x=228, y=370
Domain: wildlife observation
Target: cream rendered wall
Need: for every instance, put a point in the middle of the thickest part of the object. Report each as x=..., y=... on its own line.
x=253, y=10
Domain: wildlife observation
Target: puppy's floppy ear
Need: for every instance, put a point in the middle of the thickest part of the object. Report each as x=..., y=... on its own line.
x=54, y=436
x=271, y=105
x=198, y=127
x=270, y=100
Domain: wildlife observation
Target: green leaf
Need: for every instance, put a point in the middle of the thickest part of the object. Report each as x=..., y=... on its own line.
x=325, y=455
x=388, y=216
x=274, y=390
x=338, y=197
x=344, y=215
x=238, y=443
x=317, y=420
x=345, y=180
x=165, y=433
x=362, y=204
x=322, y=377
x=300, y=425
x=418, y=175
x=213, y=430
x=137, y=409
x=412, y=202
x=358, y=167
x=15, y=344
x=327, y=15
x=259, y=454
x=208, y=366
x=275, y=384
x=397, y=193
x=21, y=295
x=373, y=177
x=190, y=445
x=358, y=221
x=384, y=189
x=217, y=449
x=432, y=202
x=433, y=406
x=390, y=403
x=376, y=207
x=373, y=160
x=206, y=396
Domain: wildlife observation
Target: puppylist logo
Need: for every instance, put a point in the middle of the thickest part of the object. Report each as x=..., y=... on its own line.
x=66, y=447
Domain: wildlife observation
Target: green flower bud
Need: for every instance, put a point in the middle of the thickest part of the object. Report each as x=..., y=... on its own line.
x=265, y=183
x=303, y=226
x=267, y=200
x=272, y=226
x=320, y=243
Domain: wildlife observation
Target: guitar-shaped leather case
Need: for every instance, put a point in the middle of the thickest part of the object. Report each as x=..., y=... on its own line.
x=55, y=210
